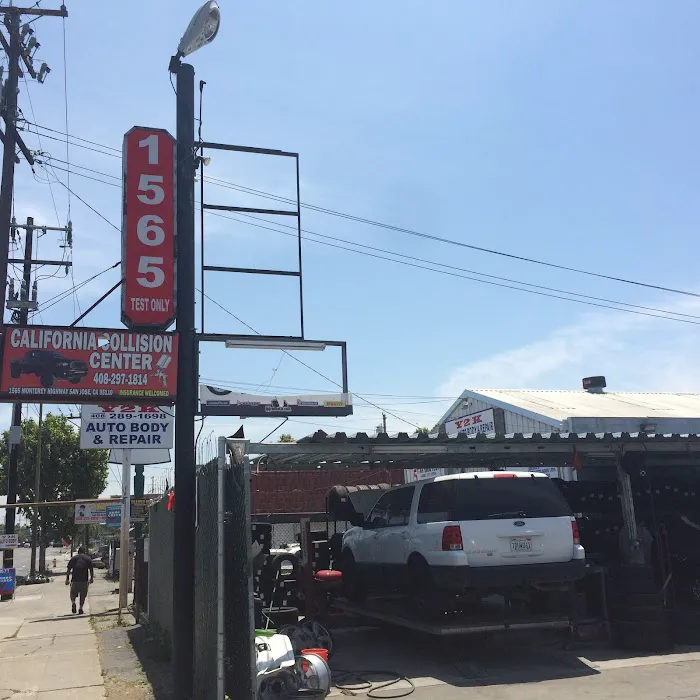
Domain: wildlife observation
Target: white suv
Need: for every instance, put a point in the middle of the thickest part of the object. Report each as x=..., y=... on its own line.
x=480, y=532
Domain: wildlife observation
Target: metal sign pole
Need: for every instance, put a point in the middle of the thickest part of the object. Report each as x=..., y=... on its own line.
x=124, y=540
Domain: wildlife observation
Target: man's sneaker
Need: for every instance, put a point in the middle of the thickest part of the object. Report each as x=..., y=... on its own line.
x=73, y=608
x=80, y=612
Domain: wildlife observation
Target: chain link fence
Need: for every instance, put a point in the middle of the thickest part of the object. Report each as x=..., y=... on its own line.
x=205, y=578
x=160, y=568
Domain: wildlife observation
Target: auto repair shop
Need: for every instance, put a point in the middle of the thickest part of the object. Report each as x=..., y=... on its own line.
x=592, y=410
x=631, y=485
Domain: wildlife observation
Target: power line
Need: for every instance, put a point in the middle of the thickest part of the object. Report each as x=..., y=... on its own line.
x=320, y=391
x=301, y=362
x=440, y=239
x=474, y=279
x=104, y=218
x=445, y=265
x=66, y=293
x=419, y=234
x=506, y=282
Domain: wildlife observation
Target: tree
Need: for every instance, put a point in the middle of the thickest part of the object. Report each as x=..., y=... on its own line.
x=423, y=431
x=286, y=437
x=67, y=472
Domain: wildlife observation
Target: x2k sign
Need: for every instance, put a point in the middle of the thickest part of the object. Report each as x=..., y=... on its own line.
x=148, y=229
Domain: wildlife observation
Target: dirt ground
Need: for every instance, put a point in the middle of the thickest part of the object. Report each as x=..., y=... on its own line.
x=134, y=664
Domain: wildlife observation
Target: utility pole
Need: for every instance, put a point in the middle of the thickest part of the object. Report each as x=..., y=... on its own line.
x=384, y=421
x=37, y=494
x=16, y=52
x=21, y=302
x=10, y=90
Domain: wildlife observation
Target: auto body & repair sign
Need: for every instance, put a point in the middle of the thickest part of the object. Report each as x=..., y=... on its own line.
x=107, y=426
x=88, y=365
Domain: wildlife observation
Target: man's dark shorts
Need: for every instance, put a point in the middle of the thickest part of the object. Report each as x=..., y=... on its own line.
x=78, y=588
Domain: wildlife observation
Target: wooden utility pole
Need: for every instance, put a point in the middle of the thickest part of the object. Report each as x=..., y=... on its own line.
x=16, y=52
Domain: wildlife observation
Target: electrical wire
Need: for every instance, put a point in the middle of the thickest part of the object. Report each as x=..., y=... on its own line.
x=301, y=388
x=445, y=265
x=77, y=138
x=66, y=293
x=474, y=279
x=31, y=107
x=104, y=218
x=506, y=281
x=301, y=362
x=439, y=239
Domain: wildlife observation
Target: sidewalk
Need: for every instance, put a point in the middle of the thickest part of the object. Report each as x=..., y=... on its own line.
x=46, y=652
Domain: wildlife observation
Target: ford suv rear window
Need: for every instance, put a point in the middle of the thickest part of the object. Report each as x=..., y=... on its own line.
x=490, y=499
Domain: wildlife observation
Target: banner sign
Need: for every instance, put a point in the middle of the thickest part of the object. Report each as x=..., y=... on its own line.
x=92, y=513
x=8, y=578
x=113, y=514
x=411, y=475
x=87, y=365
x=473, y=424
x=222, y=402
x=9, y=541
x=112, y=426
x=148, y=228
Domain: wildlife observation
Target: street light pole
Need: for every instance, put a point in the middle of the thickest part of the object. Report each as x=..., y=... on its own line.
x=186, y=404
x=201, y=31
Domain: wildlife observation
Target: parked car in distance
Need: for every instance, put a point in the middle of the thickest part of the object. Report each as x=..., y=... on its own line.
x=48, y=366
x=468, y=534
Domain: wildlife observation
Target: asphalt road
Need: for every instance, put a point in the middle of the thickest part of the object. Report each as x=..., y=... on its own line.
x=23, y=559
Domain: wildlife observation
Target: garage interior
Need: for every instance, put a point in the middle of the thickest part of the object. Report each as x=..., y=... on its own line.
x=635, y=497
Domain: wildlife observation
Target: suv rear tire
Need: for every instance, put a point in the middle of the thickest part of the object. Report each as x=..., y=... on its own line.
x=421, y=585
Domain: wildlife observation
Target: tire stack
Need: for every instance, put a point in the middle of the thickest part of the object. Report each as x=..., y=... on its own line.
x=638, y=619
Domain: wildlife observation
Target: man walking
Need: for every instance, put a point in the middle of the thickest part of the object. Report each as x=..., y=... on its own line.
x=80, y=565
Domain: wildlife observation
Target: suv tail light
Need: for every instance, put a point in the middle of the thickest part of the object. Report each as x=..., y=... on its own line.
x=502, y=475
x=452, y=539
x=575, y=532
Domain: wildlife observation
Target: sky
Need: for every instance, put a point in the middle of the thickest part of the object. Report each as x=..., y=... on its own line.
x=562, y=132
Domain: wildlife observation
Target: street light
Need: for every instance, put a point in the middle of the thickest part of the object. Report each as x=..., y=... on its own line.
x=200, y=31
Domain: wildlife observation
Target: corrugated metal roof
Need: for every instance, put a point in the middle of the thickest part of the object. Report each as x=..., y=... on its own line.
x=559, y=405
x=404, y=450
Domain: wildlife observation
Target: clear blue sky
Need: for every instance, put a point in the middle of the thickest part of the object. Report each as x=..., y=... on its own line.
x=566, y=132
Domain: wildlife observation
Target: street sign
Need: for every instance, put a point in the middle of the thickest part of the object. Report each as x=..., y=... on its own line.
x=125, y=426
x=8, y=579
x=139, y=510
x=9, y=541
x=113, y=515
x=148, y=228
x=88, y=365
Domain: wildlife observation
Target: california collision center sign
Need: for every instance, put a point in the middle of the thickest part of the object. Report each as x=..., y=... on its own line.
x=126, y=426
x=88, y=365
x=148, y=229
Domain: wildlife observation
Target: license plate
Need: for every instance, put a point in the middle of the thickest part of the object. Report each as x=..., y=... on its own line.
x=521, y=544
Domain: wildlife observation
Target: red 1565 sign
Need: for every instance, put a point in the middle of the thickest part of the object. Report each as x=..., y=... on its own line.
x=148, y=228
